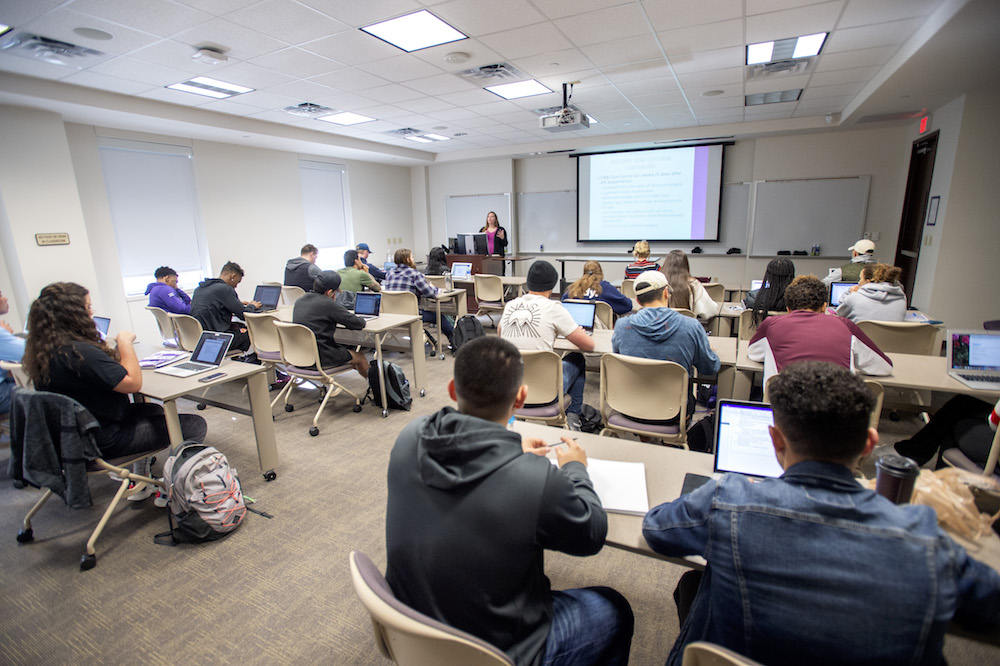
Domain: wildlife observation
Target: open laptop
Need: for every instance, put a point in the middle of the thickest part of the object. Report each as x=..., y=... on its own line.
x=974, y=358
x=267, y=295
x=388, y=266
x=208, y=355
x=837, y=291
x=461, y=270
x=583, y=314
x=367, y=304
x=103, y=324
x=756, y=284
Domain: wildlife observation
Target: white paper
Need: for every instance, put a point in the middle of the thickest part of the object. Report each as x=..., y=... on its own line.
x=620, y=485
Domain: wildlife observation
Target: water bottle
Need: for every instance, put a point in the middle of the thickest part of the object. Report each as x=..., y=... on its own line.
x=510, y=423
x=447, y=281
x=388, y=256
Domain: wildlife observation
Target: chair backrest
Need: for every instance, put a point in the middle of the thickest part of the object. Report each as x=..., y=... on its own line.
x=399, y=302
x=488, y=288
x=163, y=323
x=703, y=653
x=17, y=372
x=903, y=336
x=187, y=330
x=543, y=376
x=643, y=388
x=992, y=325
x=747, y=327
x=411, y=638
x=685, y=311
x=716, y=291
x=628, y=287
x=290, y=294
x=263, y=334
x=297, y=344
x=438, y=281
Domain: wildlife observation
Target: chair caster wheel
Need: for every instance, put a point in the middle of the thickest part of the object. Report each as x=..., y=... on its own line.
x=289, y=408
x=423, y=392
x=88, y=562
x=18, y=483
x=313, y=431
x=270, y=475
x=441, y=357
x=385, y=413
x=201, y=407
x=357, y=408
x=25, y=535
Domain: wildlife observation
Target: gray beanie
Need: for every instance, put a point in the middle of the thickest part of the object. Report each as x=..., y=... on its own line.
x=326, y=281
x=542, y=276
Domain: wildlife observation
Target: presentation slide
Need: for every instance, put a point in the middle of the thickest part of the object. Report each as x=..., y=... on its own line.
x=666, y=194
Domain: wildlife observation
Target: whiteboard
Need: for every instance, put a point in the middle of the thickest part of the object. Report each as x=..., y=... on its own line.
x=797, y=214
x=467, y=214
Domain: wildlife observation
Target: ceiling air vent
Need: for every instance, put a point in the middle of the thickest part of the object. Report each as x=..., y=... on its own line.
x=52, y=51
x=500, y=72
x=308, y=110
x=770, y=70
x=404, y=132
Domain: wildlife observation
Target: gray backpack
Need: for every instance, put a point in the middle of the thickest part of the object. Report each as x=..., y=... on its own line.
x=203, y=495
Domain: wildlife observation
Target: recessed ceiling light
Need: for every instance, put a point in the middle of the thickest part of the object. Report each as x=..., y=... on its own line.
x=773, y=97
x=346, y=118
x=758, y=53
x=437, y=137
x=808, y=46
x=419, y=30
x=712, y=93
x=419, y=139
x=89, y=33
x=519, y=89
x=4, y=28
x=785, y=49
x=593, y=120
x=202, y=85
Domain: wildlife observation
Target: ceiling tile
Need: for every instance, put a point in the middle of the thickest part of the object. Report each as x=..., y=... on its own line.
x=293, y=59
x=382, y=111
x=765, y=109
x=60, y=24
x=158, y=18
x=174, y=97
x=234, y=40
x=344, y=101
x=350, y=80
x=527, y=41
x=851, y=59
x=357, y=14
x=251, y=76
x=479, y=55
x=638, y=70
x=560, y=8
x=18, y=13
x=604, y=25
x=674, y=14
x=483, y=17
x=392, y=93
x=454, y=114
x=718, y=116
x=439, y=84
x=352, y=47
x=701, y=38
x=553, y=64
x=288, y=20
x=648, y=86
x=658, y=99
x=400, y=68
x=732, y=97
x=703, y=61
x=824, y=104
x=108, y=83
x=869, y=36
x=306, y=91
x=861, y=13
x=793, y=22
x=623, y=51
x=171, y=53
x=717, y=77
x=216, y=7
x=845, y=89
x=858, y=75
x=145, y=72
x=776, y=83
x=425, y=105
x=259, y=98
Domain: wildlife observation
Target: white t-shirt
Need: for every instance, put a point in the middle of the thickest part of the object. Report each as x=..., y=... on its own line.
x=534, y=322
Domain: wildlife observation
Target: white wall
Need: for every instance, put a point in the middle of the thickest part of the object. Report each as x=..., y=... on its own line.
x=464, y=178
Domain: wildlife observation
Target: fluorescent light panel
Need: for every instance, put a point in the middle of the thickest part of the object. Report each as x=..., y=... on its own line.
x=773, y=97
x=202, y=85
x=785, y=49
x=758, y=53
x=346, y=118
x=419, y=139
x=437, y=137
x=419, y=30
x=4, y=28
x=519, y=89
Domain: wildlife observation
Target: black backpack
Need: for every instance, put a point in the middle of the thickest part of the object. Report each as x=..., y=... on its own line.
x=397, y=388
x=466, y=328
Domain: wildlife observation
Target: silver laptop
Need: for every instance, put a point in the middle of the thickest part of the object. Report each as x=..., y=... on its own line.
x=837, y=291
x=208, y=355
x=583, y=314
x=974, y=358
x=461, y=270
x=267, y=295
x=367, y=304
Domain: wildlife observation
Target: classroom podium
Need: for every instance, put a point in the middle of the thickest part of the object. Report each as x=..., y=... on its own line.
x=481, y=263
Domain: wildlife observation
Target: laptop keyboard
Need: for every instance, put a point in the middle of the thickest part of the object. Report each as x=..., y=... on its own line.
x=189, y=366
x=981, y=378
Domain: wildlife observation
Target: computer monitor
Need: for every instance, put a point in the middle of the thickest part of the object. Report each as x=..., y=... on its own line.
x=472, y=244
x=453, y=245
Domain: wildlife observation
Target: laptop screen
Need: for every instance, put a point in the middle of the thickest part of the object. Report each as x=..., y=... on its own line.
x=972, y=350
x=742, y=441
x=267, y=295
x=212, y=347
x=756, y=284
x=582, y=313
x=837, y=291
x=367, y=303
x=103, y=324
x=388, y=266
x=461, y=270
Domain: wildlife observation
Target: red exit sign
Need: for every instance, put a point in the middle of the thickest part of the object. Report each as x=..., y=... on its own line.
x=925, y=124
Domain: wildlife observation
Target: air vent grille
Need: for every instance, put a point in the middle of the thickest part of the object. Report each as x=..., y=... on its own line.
x=50, y=50
x=308, y=110
x=500, y=72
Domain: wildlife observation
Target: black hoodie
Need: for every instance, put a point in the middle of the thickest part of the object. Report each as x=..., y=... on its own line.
x=468, y=518
x=214, y=303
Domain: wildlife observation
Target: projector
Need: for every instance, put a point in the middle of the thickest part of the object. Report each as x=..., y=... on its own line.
x=564, y=121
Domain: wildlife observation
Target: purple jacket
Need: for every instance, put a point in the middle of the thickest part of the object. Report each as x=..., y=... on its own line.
x=162, y=295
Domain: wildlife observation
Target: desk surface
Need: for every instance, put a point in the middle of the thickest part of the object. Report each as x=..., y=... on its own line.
x=165, y=387
x=724, y=347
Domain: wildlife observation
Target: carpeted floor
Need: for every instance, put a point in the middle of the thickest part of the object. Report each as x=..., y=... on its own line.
x=278, y=590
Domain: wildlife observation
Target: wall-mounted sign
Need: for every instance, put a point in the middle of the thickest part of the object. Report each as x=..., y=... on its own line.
x=52, y=239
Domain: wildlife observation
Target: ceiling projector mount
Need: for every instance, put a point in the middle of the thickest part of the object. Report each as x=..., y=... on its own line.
x=565, y=118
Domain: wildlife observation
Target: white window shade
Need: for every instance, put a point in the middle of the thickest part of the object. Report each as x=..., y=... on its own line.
x=326, y=204
x=154, y=207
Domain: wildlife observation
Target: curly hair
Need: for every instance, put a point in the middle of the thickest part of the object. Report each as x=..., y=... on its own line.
x=882, y=273
x=57, y=318
x=822, y=409
x=771, y=296
x=678, y=272
x=806, y=292
x=591, y=281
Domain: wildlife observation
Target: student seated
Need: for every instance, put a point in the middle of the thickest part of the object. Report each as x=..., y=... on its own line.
x=373, y=270
x=65, y=354
x=811, y=567
x=686, y=291
x=165, y=294
x=215, y=303
x=659, y=332
x=11, y=349
x=300, y=271
x=406, y=277
x=534, y=321
x=808, y=333
x=964, y=422
x=437, y=262
x=878, y=295
x=593, y=287
x=862, y=252
x=472, y=507
x=354, y=275
x=642, y=263
x=320, y=313
x=771, y=296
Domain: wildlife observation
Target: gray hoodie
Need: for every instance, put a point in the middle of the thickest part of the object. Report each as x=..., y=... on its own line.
x=667, y=335
x=882, y=301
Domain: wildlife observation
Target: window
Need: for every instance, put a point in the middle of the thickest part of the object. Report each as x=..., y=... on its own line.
x=154, y=209
x=327, y=210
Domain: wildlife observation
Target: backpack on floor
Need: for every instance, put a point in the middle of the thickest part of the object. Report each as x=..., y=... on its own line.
x=203, y=495
x=397, y=387
x=466, y=328
x=701, y=435
x=590, y=420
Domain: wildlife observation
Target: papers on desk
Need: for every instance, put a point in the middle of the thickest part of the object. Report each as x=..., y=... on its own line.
x=162, y=358
x=620, y=485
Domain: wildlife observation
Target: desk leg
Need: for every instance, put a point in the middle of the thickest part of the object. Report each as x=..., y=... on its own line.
x=440, y=331
x=378, y=360
x=419, y=360
x=263, y=424
x=173, y=423
x=741, y=385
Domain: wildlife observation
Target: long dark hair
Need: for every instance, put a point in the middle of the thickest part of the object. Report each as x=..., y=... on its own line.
x=57, y=318
x=678, y=273
x=771, y=295
x=437, y=263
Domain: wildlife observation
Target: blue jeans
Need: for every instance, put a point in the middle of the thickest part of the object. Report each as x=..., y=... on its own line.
x=592, y=625
x=430, y=317
x=574, y=376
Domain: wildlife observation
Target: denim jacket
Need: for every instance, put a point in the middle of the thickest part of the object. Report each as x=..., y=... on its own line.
x=812, y=568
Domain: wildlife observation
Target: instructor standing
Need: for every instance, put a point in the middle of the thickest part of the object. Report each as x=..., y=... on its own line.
x=496, y=238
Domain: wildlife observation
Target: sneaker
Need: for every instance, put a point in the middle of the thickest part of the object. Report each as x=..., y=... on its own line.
x=573, y=421
x=161, y=499
x=146, y=492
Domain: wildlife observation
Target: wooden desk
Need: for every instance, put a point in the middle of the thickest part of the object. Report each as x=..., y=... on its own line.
x=457, y=297
x=168, y=389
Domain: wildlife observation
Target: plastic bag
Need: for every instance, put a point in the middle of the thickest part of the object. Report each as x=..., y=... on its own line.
x=948, y=492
